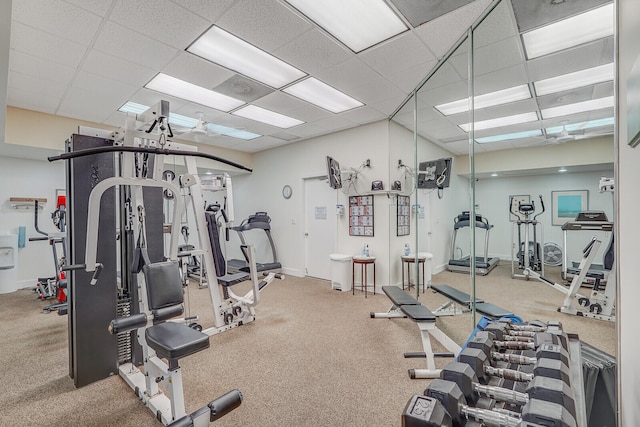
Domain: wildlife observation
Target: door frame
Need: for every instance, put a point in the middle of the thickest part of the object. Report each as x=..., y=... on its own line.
x=305, y=179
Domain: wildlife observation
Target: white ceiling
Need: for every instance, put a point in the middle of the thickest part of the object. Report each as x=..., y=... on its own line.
x=85, y=58
x=499, y=63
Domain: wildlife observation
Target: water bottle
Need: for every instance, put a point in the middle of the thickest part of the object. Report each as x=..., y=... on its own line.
x=366, y=250
x=407, y=250
x=363, y=251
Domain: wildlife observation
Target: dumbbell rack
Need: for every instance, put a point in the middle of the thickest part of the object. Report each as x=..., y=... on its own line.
x=425, y=411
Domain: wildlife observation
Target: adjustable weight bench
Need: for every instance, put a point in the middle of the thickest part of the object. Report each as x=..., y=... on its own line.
x=464, y=299
x=404, y=305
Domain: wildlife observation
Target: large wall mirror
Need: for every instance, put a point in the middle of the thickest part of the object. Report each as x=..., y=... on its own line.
x=524, y=125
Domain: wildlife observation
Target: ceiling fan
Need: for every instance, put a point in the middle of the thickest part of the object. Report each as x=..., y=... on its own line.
x=198, y=132
x=565, y=136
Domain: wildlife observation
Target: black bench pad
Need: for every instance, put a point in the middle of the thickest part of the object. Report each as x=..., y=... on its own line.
x=418, y=313
x=455, y=295
x=265, y=266
x=173, y=340
x=492, y=310
x=399, y=297
x=232, y=279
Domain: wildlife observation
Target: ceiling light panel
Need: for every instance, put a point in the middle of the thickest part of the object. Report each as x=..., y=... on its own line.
x=581, y=78
x=588, y=26
x=223, y=48
x=185, y=90
x=355, y=23
x=501, y=121
x=174, y=119
x=321, y=94
x=505, y=96
x=234, y=133
x=267, y=116
x=509, y=136
x=578, y=107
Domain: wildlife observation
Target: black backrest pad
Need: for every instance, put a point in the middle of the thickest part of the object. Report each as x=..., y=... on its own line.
x=214, y=238
x=164, y=284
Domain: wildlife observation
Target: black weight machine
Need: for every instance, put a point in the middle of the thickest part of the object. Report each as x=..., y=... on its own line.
x=528, y=247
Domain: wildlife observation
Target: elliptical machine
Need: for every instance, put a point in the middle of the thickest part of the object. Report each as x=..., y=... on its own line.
x=529, y=249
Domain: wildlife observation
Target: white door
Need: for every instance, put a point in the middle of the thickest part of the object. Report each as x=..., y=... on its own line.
x=320, y=227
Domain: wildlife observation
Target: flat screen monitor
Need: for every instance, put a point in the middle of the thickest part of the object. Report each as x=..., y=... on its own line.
x=435, y=173
x=333, y=170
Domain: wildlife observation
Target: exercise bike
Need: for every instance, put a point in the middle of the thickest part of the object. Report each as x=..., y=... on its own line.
x=529, y=249
x=54, y=287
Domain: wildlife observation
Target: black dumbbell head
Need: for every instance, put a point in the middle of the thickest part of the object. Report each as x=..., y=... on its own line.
x=425, y=411
x=450, y=395
x=541, y=338
x=547, y=414
x=553, y=351
x=552, y=390
x=482, y=342
x=551, y=368
x=477, y=360
x=499, y=329
x=463, y=375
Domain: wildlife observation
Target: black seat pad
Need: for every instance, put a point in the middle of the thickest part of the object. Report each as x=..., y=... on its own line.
x=264, y=266
x=399, y=297
x=418, y=313
x=173, y=340
x=454, y=294
x=492, y=310
x=233, y=279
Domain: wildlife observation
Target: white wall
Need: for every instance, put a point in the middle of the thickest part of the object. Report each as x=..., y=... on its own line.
x=30, y=178
x=291, y=164
x=492, y=198
x=628, y=232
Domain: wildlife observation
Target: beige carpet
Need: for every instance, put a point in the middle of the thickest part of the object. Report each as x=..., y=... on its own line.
x=314, y=357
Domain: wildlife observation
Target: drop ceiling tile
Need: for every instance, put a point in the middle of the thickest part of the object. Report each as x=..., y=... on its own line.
x=400, y=53
x=284, y=136
x=58, y=18
x=442, y=33
x=532, y=14
x=510, y=109
x=115, y=68
x=457, y=147
x=307, y=130
x=31, y=100
x=162, y=20
x=46, y=46
x=409, y=80
x=103, y=86
x=51, y=72
x=388, y=106
x=502, y=54
x=418, y=12
x=313, y=51
x=348, y=74
x=498, y=25
x=334, y=123
x=140, y=49
x=117, y=119
x=501, y=79
x=209, y=10
x=192, y=68
x=570, y=60
x=84, y=104
x=99, y=7
x=35, y=84
x=267, y=24
x=363, y=115
x=444, y=76
x=375, y=90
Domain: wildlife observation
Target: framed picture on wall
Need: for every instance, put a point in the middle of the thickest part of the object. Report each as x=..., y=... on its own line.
x=403, y=216
x=565, y=205
x=361, y=216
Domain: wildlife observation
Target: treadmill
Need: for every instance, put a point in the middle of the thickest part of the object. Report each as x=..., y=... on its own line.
x=257, y=221
x=484, y=264
x=589, y=221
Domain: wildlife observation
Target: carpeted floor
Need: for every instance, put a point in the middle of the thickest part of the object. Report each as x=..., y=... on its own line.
x=314, y=357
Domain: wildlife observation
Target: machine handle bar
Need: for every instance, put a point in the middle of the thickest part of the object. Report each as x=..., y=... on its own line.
x=164, y=151
x=37, y=239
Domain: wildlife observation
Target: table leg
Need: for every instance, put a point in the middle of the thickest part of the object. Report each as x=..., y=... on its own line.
x=353, y=278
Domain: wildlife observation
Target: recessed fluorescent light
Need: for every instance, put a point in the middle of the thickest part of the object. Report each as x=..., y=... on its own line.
x=174, y=119
x=588, y=26
x=232, y=132
x=356, y=23
x=578, y=107
x=508, y=136
x=501, y=121
x=580, y=78
x=494, y=174
x=512, y=94
x=581, y=126
x=267, y=116
x=321, y=94
x=185, y=90
x=223, y=48
x=562, y=170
